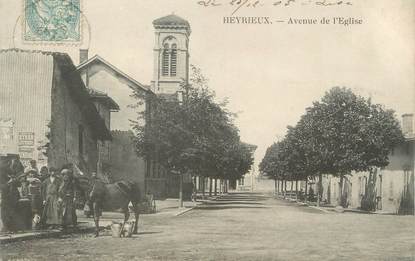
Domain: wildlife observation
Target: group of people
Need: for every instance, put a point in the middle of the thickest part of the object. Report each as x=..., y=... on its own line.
x=52, y=194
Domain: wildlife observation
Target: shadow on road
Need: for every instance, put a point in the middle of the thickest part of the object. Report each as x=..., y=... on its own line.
x=235, y=201
x=213, y=207
x=149, y=232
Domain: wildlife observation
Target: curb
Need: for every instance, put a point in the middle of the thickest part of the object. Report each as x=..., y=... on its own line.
x=194, y=207
x=322, y=209
x=184, y=211
x=42, y=235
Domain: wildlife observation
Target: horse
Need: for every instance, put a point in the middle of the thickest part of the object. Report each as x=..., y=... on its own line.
x=112, y=197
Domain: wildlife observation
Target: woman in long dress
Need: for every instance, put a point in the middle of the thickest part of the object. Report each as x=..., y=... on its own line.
x=52, y=215
x=67, y=192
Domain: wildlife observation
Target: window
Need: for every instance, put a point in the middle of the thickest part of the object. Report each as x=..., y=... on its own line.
x=81, y=140
x=391, y=189
x=173, y=60
x=169, y=57
x=165, y=62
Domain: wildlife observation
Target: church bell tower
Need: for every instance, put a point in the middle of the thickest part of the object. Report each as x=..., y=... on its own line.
x=171, y=54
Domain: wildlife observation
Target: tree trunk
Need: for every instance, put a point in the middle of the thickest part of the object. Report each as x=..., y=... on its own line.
x=278, y=187
x=275, y=186
x=296, y=190
x=203, y=187
x=305, y=192
x=181, y=190
x=285, y=188
x=210, y=186
x=225, y=186
x=220, y=187
x=216, y=187
x=291, y=192
x=320, y=184
x=340, y=190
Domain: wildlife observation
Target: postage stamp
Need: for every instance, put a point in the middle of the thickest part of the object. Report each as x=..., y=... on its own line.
x=52, y=21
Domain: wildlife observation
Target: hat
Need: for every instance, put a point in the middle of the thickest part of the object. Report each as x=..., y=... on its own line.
x=65, y=171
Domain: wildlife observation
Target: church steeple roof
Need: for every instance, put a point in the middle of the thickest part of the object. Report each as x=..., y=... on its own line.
x=171, y=21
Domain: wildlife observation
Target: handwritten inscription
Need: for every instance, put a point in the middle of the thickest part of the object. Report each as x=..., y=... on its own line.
x=238, y=5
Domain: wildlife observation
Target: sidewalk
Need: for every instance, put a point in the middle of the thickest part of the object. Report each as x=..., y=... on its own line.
x=5, y=238
x=167, y=207
x=171, y=206
x=332, y=209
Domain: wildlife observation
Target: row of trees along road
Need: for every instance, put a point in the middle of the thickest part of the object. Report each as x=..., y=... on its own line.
x=340, y=134
x=189, y=132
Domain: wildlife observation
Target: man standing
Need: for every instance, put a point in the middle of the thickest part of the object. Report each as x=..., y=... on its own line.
x=51, y=200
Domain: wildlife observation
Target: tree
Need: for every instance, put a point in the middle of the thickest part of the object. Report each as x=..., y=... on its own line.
x=341, y=133
x=352, y=134
x=196, y=136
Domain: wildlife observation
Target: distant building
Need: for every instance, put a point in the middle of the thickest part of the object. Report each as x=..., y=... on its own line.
x=48, y=110
x=253, y=182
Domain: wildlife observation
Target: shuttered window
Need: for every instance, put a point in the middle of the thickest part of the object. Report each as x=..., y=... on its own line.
x=165, y=62
x=173, y=61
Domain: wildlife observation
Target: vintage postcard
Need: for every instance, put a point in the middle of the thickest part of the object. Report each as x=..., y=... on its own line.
x=207, y=130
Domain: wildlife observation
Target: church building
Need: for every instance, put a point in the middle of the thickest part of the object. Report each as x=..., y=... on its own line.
x=171, y=70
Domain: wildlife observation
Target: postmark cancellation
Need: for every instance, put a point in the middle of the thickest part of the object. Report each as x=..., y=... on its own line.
x=52, y=21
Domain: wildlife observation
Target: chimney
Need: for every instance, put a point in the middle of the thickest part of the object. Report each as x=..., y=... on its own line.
x=408, y=123
x=83, y=55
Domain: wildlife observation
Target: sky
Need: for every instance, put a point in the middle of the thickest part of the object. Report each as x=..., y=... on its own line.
x=269, y=73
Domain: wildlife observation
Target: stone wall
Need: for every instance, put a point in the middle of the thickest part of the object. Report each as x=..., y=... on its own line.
x=67, y=119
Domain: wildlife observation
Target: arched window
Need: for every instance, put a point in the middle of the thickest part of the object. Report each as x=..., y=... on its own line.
x=169, y=56
x=165, y=62
x=173, y=60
